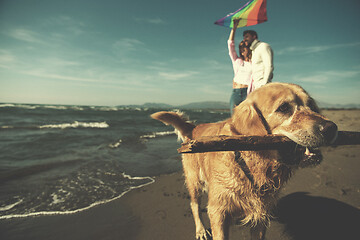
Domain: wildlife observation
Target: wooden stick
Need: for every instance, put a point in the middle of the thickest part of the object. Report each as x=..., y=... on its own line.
x=254, y=143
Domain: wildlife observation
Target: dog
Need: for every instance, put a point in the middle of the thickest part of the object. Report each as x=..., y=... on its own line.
x=245, y=184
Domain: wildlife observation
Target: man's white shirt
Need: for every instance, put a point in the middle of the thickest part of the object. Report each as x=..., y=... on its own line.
x=262, y=63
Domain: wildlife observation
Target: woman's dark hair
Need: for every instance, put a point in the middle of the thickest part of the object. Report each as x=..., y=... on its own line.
x=242, y=45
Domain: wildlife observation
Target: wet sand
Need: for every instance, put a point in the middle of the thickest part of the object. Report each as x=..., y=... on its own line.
x=321, y=202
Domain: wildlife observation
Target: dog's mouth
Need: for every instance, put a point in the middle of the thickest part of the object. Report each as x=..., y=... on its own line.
x=302, y=156
x=310, y=157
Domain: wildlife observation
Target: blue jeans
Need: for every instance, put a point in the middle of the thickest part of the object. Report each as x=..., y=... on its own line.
x=238, y=95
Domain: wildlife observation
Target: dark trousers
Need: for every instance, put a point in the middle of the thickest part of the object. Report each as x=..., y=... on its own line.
x=238, y=95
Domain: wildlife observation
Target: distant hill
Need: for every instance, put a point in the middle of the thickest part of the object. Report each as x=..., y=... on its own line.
x=156, y=105
x=196, y=105
x=205, y=105
x=338, y=106
x=225, y=105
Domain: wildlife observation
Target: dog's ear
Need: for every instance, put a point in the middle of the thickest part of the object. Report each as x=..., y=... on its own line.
x=247, y=120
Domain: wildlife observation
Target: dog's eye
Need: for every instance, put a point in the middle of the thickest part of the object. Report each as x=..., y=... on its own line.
x=284, y=108
x=312, y=105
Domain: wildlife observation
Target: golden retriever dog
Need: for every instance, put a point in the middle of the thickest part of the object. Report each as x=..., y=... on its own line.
x=245, y=184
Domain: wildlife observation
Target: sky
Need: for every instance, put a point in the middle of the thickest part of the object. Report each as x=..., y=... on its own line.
x=120, y=52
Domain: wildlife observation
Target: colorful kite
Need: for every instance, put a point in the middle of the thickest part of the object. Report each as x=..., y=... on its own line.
x=252, y=13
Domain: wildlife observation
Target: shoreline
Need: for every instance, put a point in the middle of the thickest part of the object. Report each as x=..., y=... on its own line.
x=54, y=213
x=320, y=202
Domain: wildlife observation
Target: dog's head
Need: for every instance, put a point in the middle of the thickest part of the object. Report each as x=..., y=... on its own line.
x=286, y=109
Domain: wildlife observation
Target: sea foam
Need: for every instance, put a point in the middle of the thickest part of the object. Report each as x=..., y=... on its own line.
x=77, y=124
x=55, y=200
x=10, y=206
x=157, y=134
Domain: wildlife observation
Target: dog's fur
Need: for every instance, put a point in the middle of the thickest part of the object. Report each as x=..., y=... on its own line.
x=276, y=108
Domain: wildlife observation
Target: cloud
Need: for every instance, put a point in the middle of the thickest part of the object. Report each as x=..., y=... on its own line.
x=156, y=21
x=129, y=44
x=49, y=39
x=342, y=74
x=216, y=90
x=67, y=23
x=25, y=35
x=44, y=74
x=173, y=76
x=215, y=64
x=58, y=62
x=325, y=77
x=126, y=80
x=59, y=30
x=319, y=78
x=6, y=58
x=314, y=49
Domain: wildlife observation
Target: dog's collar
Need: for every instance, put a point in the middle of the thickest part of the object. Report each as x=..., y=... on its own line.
x=233, y=129
x=263, y=120
x=241, y=162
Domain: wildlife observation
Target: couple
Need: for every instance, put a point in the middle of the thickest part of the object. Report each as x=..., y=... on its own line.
x=253, y=68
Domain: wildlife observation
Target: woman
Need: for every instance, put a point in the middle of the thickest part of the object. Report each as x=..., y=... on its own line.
x=242, y=69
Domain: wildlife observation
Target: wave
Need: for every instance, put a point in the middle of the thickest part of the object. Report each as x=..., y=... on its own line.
x=10, y=206
x=115, y=145
x=157, y=134
x=41, y=213
x=11, y=105
x=39, y=106
x=7, y=127
x=34, y=169
x=77, y=124
x=71, y=107
x=142, y=138
x=106, y=109
x=56, y=107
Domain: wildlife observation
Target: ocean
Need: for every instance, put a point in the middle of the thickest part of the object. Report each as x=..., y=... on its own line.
x=65, y=159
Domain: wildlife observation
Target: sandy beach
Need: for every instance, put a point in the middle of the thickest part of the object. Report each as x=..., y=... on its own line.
x=321, y=202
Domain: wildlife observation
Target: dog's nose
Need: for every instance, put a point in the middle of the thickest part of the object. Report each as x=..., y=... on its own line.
x=329, y=131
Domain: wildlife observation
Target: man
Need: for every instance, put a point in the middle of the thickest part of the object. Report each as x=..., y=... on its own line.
x=262, y=59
